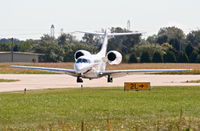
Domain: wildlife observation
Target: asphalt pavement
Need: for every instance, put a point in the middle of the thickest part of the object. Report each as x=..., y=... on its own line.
x=45, y=81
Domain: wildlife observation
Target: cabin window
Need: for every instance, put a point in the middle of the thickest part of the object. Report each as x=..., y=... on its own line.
x=97, y=61
x=81, y=60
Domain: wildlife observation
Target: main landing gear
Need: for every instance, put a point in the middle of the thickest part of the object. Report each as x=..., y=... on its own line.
x=79, y=80
x=110, y=79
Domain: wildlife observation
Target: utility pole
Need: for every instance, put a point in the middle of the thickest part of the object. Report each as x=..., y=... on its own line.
x=12, y=46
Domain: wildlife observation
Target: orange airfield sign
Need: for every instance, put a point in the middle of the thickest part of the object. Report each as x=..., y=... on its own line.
x=137, y=86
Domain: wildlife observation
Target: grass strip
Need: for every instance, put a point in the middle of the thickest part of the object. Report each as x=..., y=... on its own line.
x=193, y=81
x=162, y=108
x=8, y=80
x=192, y=72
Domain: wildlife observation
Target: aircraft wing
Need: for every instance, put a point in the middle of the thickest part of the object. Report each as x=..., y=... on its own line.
x=119, y=73
x=67, y=71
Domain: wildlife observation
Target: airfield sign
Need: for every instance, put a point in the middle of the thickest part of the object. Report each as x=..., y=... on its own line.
x=137, y=86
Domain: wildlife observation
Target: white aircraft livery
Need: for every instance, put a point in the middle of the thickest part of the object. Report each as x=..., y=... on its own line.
x=92, y=66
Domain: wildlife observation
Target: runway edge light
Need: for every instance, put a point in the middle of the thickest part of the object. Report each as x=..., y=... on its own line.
x=137, y=86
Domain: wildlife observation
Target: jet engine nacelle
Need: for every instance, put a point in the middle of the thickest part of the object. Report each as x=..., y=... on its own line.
x=114, y=57
x=80, y=53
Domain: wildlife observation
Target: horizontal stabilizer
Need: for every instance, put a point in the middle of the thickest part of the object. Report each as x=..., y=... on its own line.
x=93, y=33
x=111, y=34
x=128, y=33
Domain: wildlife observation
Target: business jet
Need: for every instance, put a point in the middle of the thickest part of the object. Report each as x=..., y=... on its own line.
x=93, y=66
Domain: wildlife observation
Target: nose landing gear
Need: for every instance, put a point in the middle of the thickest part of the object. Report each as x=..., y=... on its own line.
x=79, y=80
x=110, y=79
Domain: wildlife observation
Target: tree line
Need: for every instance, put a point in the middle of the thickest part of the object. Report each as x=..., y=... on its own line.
x=170, y=45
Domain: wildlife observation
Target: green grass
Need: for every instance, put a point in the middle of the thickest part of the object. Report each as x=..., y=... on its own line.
x=192, y=72
x=101, y=108
x=25, y=71
x=193, y=81
x=8, y=80
x=6, y=69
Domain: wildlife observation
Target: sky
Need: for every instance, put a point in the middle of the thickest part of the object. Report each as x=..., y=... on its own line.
x=30, y=19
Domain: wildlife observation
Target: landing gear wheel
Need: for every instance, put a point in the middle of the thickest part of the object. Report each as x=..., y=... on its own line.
x=79, y=80
x=110, y=79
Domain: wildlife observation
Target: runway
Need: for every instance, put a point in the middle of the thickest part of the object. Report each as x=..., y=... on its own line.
x=44, y=81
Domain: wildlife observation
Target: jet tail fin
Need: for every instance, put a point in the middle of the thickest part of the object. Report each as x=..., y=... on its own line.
x=106, y=36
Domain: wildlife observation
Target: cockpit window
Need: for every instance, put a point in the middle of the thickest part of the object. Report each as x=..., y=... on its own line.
x=81, y=60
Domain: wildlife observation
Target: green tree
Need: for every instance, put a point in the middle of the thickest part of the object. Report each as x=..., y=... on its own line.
x=89, y=38
x=198, y=59
x=182, y=57
x=151, y=48
x=152, y=39
x=194, y=38
x=157, y=57
x=5, y=46
x=52, y=52
x=66, y=38
x=50, y=48
x=125, y=43
x=125, y=58
x=145, y=57
x=172, y=35
x=132, y=58
x=48, y=39
x=193, y=57
x=169, y=57
x=25, y=46
x=189, y=49
x=62, y=39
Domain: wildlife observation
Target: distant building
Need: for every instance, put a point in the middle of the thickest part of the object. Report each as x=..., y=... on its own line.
x=19, y=57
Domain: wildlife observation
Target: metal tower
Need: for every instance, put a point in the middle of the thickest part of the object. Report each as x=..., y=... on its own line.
x=61, y=31
x=128, y=25
x=52, y=30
